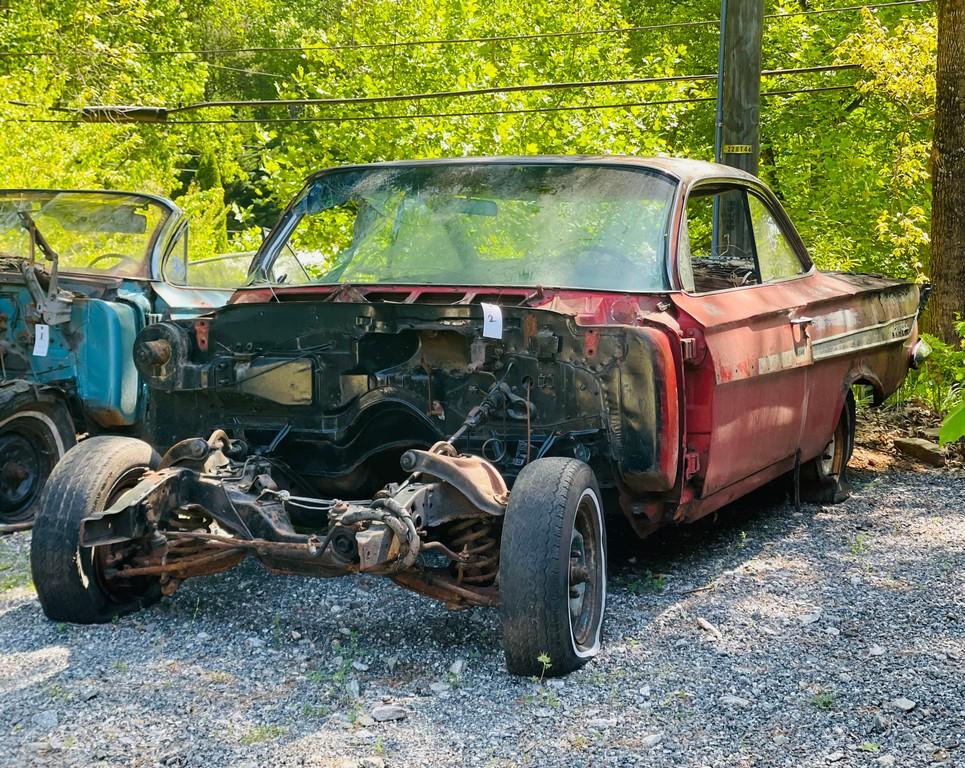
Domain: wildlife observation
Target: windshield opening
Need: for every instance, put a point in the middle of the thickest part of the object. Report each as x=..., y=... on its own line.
x=521, y=225
x=89, y=231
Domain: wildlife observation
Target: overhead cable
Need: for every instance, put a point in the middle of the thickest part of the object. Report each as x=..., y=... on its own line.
x=441, y=115
x=465, y=40
x=147, y=113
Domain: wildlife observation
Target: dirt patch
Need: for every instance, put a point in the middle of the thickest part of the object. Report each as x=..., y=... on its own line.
x=878, y=428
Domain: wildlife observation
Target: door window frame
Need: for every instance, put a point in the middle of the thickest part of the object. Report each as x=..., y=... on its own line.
x=771, y=204
x=178, y=241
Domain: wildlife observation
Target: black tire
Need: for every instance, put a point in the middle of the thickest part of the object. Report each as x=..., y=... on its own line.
x=824, y=479
x=70, y=579
x=35, y=433
x=554, y=513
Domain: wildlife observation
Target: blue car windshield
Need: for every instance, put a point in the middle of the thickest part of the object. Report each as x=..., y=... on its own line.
x=486, y=224
x=90, y=231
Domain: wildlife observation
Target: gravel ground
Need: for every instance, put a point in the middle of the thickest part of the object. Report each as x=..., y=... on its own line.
x=833, y=636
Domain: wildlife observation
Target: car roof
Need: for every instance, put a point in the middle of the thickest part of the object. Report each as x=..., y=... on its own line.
x=680, y=168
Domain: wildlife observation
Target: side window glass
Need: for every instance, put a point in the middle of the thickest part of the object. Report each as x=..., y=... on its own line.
x=176, y=267
x=775, y=255
x=289, y=270
x=187, y=267
x=224, y=270
x=720, y=242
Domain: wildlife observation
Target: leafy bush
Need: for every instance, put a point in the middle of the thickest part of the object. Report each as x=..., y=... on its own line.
x=940, y=382
x=953, y=428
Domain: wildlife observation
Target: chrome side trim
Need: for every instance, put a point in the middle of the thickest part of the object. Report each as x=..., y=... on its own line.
x=869, y=337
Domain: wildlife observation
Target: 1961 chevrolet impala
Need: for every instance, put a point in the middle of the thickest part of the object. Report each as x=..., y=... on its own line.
x=446, y=371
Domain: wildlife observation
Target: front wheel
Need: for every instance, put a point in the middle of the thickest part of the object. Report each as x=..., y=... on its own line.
x=35, y=432
x=552, y=569
x=80, y=584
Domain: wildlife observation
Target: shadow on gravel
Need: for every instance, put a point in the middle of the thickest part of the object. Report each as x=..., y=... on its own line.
x=675, y=544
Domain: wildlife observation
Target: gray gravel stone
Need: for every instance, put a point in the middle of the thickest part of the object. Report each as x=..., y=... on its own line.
x=388, y=712
x=45, y=721
x=880, y=723
x=904, y=704
x=179, y=685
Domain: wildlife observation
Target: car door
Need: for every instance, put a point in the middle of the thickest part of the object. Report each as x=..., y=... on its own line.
x=747, y=396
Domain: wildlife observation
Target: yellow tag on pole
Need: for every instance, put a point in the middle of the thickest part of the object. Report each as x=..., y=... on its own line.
x=737, y=149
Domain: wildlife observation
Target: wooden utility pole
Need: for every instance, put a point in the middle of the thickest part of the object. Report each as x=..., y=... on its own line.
x=948, y=175
x=737, y=142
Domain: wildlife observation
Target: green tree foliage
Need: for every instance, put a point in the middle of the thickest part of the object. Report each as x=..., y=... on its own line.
x=851, y=166
x=421, y=69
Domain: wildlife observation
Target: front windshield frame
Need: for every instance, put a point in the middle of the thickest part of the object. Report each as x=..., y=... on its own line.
x=274, y=246
x=148, y=262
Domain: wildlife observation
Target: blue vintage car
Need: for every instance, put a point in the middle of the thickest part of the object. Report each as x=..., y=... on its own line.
x=81, y=272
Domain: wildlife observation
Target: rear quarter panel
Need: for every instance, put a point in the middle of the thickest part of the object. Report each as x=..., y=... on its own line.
x=863, y=331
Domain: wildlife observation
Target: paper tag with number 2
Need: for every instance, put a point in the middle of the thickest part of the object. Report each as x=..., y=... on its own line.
x=492, y=321
x=41, y=340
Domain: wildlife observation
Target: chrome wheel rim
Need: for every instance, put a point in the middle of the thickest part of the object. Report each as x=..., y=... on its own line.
x=586, y=576
x=827, y=456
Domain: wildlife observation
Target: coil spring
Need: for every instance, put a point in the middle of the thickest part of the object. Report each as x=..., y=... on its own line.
x=479, y=539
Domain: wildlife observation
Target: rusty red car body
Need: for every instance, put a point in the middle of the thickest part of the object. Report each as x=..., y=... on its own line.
x=671, y=349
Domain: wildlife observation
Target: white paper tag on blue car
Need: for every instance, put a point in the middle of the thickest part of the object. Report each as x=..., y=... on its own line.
x=492, y=321
x=41, y=340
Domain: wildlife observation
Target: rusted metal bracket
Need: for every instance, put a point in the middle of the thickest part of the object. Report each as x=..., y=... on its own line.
x=52, y=307
x=691, y=464
x=441, y=586
x=135, y=512
x=692, y=348
x=474, y=477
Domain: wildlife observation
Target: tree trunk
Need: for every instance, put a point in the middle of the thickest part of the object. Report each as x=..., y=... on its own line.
x=948, y=175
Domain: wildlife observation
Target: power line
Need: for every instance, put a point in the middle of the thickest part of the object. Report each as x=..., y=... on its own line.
x=441, y=115
x=424, y=115
x=491, y=112
x=246, y=71
x=109, y=113
x=843, y=8
x=399, y=43
x=466, y=40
